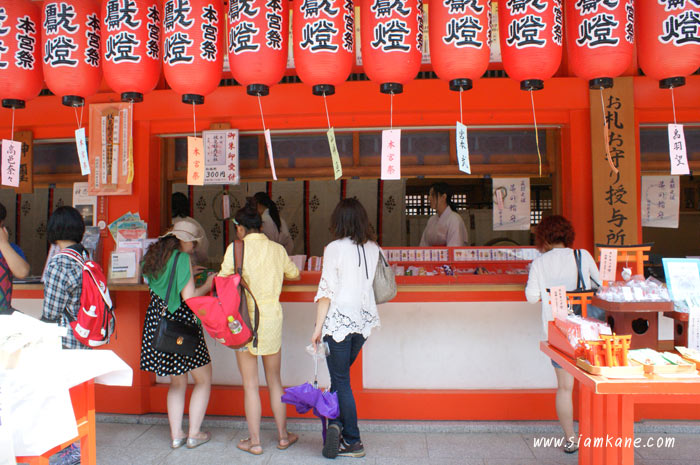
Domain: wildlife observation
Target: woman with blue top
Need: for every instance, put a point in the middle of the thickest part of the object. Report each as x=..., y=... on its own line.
x=173, y=250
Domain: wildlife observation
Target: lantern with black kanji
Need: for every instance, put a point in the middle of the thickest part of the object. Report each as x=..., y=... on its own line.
x=459, y=40
x=192, y=41
x=392, y=41
x=131, y=46
x=324, y=40
x=257, y=43
x=531, y=35
x=20, y=56
x=600, y=39
x=668, y=40
x=71, y=49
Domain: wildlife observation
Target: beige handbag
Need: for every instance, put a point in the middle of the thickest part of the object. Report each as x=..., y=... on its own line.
x=384, y=283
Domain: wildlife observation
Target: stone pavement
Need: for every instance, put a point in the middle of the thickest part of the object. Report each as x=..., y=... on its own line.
x=144, y=440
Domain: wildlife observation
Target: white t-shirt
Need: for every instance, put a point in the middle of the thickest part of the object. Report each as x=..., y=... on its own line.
x=346, y=279
x=281, y=236
x=557, y=268
x=447, y=229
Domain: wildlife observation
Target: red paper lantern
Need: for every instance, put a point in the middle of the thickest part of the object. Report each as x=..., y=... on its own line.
x=668, y=40
x=71, y=49
x=131, y=46
x=324, y=39
x=20, y=57
x=531, y=34
x=459, y=40
x=192, y=41
x=392, y=41
x=600, y=39
x=257, y=43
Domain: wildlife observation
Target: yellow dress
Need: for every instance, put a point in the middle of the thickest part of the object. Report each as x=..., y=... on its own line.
x=265, y=264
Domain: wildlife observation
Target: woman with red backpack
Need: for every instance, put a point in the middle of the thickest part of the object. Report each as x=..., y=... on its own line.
x=168, y=270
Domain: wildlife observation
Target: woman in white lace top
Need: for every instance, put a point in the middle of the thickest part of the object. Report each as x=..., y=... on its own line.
x=346, y=314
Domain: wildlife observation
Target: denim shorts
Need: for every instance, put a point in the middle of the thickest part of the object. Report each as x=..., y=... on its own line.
x=555, y=364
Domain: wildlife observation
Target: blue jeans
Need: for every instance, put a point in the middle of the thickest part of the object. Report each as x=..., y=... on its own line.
x=342, y=355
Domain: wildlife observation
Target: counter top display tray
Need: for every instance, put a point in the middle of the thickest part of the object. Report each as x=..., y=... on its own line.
x=632, y=306
x=635, y=370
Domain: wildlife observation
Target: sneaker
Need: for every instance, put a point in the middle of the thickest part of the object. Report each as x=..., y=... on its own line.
x=356, y=450
x=332, y=444
x=570, y=447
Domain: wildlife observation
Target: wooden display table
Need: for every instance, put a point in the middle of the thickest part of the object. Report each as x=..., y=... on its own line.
x=640, y=319
x=606, y=408
x=82, y=397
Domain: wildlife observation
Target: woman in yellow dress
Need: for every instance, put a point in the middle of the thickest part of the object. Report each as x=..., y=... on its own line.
x=265, y=265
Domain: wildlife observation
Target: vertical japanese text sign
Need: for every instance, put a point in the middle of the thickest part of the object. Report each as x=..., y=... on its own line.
x=26, y=182
x=615, y=198
x=391, y=154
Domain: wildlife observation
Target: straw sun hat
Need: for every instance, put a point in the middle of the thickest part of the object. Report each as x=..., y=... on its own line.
x=185, y=231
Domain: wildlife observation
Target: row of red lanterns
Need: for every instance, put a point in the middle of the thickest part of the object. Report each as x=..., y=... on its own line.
x=75, y=41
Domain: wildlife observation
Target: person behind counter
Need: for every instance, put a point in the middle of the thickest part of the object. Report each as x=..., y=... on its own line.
x=345, y=315
x=274, y=227
x=13, y=263
x=446, y=228
x=557, y=266
x=265, y=265
x=172, y=251
x=181, y=212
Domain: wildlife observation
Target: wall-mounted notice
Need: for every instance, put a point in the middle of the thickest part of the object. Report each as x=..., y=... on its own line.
x=109, y=149
x=660, y=201
x=514, y=215
x=221, y=157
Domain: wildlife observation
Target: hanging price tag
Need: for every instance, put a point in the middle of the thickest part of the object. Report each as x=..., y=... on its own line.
x=195, y=161
x=335, y=157
x=463, y=149
x=225, y=206
x=559, y=303
x=268, y=143
x=82, y=151
x=677, y=150
x=11, y=157
x=391, y=154
x=608, y=264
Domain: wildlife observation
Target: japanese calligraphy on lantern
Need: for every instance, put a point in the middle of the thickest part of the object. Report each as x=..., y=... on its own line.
x=82, y=151
x=515, y=213
x=221, y=157
x=335, y=157
x=391, y=154
x=676, y=149
x=109, y=149
x=615, y=197
x=660, y=201
x=557, y=300
x=195, y=161
x=11, y=155
x=270, y=156
x=463, y=149
x=608, y=264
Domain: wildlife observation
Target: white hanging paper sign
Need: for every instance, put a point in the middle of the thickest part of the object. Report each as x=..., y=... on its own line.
x=221, y=156
x=558, y=302
x=608, y=264
x=514, y=214
x=268, y=143
x=103, y=163
x=82, y=151
x=693, y=322
x=463, y=149
x=225, y=206
x=335, y=156
x=660, y=201
x=676, y=149
x=84, y=203
x=195, y=161
x=391, y=154
x=11, y=156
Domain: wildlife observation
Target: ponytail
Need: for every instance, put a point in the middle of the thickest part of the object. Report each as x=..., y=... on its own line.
x=264, y=199
x=443, y=188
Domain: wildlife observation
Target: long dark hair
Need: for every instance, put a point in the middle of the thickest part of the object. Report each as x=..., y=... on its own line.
x=440, y=188
x=158, y=254
x=264, y=199
x=349, y=219
x=248, y=217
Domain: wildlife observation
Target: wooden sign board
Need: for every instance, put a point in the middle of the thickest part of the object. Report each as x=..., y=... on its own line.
x=26, y=181
x=110, y=149
x=615, y=197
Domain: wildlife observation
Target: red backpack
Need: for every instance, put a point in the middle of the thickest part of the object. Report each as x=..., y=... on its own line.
x=228, y=300
x=95, y=321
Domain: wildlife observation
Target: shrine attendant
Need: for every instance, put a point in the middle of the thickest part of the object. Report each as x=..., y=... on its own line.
x=446, y=228
x=557, y=266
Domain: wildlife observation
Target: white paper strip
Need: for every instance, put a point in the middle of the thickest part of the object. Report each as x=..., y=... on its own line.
x=463, y=148
x=82, y=151
x=608, y=264
x=558, y=302
x=11, y=156
x=391, y=154
x=268, y=143
x=676, y=149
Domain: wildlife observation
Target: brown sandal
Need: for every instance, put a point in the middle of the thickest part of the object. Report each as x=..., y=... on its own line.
x=246, y=446
x=291, y=439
